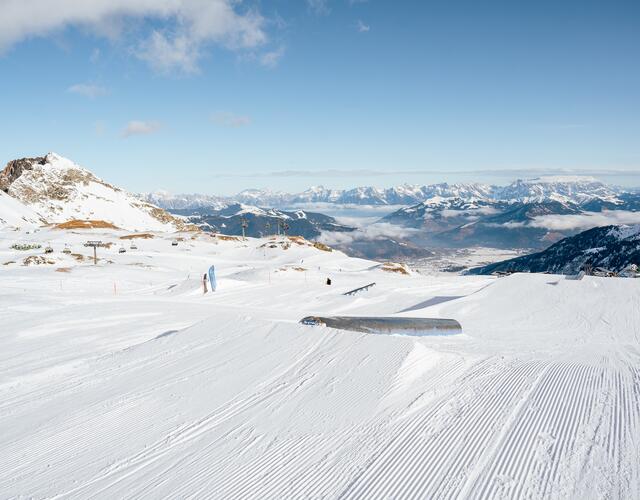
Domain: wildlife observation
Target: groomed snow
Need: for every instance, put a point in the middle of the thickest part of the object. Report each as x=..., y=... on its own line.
x=123, y=380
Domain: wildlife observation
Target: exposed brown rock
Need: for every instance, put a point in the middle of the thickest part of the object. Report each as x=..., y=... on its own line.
x=85, y=224
x=14, y=169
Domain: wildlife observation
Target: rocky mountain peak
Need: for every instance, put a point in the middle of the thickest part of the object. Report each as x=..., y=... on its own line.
x=59, y=190
x=15, y=168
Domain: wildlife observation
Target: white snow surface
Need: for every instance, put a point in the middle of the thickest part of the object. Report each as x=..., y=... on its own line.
x=14, y=213
x=124, y=380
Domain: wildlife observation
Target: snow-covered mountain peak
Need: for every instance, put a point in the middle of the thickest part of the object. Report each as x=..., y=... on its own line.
x=56, y=161
x=576, y=189
x=59, y=190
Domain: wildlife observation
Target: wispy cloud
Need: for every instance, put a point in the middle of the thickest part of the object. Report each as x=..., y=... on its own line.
x=166, y=55
x=514, y=173
x=362, y=28
x=226, y=119
x=137, y=127
x=319, y=7
x=380, y=230
x=586, y=220
x=184, y=28
x=87, y=90
x=272, y=58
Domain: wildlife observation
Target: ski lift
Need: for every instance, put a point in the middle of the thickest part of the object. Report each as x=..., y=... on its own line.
x=122, y=250
x=66, y=250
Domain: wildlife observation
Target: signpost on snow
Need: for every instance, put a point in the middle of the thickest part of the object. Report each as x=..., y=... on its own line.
x=244, y=225
x=95, y=245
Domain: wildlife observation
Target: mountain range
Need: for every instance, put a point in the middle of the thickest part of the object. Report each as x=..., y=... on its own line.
x=574, y=189
x=525, y=215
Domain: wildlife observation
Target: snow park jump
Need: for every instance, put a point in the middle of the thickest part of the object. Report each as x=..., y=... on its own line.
x=387, y=325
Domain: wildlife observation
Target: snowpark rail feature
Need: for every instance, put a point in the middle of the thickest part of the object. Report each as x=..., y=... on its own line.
x=387, y=325
x=360, y=289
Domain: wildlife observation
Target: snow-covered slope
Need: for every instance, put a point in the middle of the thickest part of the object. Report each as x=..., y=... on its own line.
x=15, y=213
x=123, y=380
x=58, y=190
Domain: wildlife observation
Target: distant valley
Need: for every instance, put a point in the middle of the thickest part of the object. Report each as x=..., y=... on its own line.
x=526, y=214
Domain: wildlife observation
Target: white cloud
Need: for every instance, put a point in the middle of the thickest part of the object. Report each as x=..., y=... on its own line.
x=516, y=173
x=87, y=90
x=578, y=222
x=272, y=58
x=230, y=120
x=189, y=25
x=586, y=220
x=320, y=7
x=166, y=55
x=137, y=127
x=362, y=28
x=370, y=232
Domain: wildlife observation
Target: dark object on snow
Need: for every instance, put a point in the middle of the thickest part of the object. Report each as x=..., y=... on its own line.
x=361, y=289
x=387, y=325
x=328, y=281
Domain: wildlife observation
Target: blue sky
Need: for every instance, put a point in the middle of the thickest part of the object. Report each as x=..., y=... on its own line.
x=216, y=95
